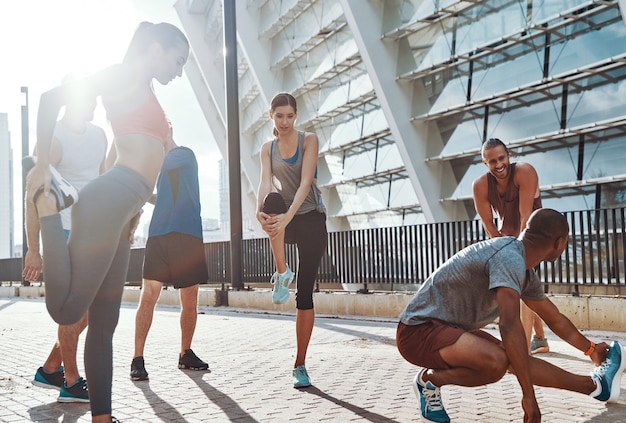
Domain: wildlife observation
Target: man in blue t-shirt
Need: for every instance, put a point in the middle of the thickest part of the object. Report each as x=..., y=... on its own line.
x=174, y=255
x=440, y=329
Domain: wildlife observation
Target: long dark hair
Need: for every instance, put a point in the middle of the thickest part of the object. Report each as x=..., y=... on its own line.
x=282, y=99
x=147, y=33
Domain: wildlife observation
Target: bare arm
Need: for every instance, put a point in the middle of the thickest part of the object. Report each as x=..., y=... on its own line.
x=103, y=164
x=265, y=185
x=528, y=183
x=114, y=79
x=480, y=191
x=33, y=262
x=109, y=162
x=565, y=329
x=514, y=341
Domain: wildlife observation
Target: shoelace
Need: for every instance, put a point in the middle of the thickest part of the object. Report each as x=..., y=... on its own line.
x=602, y=368
x=433, y=399
x=275, y=278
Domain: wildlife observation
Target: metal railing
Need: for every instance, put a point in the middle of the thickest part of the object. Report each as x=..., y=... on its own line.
x=400, y=258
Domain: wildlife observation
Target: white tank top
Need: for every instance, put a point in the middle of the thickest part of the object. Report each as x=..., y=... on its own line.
x=82, y=155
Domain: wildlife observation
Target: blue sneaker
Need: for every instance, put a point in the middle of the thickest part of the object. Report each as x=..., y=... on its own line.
x=301, y=378
x=52, y=380
x=281, y=283
x=609, y=374
x=78, y=392
x=429, y=397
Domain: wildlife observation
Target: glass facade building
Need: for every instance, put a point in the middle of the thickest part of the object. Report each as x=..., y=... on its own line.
x=402, y=93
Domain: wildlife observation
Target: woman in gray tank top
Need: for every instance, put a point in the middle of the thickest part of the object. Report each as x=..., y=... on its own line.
x=290, y=209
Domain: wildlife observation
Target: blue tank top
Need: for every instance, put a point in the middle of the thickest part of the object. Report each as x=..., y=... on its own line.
x=177, y=206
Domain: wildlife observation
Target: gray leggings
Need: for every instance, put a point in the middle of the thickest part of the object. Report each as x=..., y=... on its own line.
x=88, y=271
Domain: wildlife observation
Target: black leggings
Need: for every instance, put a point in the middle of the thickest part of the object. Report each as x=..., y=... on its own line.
x=88, y=271
x=308, y=231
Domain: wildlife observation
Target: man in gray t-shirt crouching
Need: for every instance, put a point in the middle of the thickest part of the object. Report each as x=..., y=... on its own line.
x=482, y=282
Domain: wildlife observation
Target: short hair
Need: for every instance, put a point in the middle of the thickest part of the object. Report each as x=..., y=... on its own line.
x=547, y=225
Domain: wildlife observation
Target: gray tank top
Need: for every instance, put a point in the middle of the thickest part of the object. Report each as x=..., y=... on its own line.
x=286, y=175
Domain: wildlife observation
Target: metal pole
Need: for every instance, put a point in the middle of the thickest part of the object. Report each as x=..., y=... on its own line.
x=25, y=152
x=232, y=122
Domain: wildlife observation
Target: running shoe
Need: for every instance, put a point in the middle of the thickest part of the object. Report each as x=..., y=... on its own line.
x=608, y=375
x=539, y=345
x=52, y=380
x=301, y=378
x=64, y=192
x=138, y=369
x=189, y=360
x=281, y=283
x=429, y=397
x=78, y=392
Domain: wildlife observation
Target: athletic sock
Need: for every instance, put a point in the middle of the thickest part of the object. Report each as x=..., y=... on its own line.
x=598, y=389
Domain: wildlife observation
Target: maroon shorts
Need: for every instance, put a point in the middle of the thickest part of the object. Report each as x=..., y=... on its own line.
x=420, y=344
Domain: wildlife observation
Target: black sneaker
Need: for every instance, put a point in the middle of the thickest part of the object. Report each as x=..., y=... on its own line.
x=138, y=369
x=190, y=361
x=76, y=393
x=64, y=192
x=52, y=380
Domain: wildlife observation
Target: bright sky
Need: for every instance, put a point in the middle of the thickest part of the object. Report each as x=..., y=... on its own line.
x=43, y=40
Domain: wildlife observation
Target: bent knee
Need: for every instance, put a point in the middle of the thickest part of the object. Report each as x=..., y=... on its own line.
x=497, y=365
x=67, y=317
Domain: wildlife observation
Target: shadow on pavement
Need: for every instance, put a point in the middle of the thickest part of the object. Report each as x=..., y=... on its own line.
x=48, y=413
x=361, y=412
x=328, y=324
x=159, y=405
x=230, y=407
x=615, y=413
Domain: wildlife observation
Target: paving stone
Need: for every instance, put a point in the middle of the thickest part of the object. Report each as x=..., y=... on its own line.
x=357, y=372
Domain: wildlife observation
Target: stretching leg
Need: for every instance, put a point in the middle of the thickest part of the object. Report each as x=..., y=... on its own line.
x=74, y=271
x=278, y=251
x=488, y=363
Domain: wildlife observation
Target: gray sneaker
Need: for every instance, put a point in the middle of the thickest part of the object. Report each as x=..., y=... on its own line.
x=78, y=392
x=52, y=380
x=539, y=345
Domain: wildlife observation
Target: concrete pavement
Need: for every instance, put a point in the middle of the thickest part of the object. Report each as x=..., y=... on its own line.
x=357, y=373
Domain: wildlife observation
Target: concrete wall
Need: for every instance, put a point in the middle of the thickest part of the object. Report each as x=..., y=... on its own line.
x=586, y=312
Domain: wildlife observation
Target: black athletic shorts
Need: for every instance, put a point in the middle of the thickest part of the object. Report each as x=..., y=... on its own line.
x=175, y=259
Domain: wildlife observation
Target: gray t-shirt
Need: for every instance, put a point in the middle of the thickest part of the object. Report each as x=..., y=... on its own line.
x=462, y=291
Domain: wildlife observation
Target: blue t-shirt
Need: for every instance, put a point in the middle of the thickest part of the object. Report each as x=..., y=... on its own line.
x=462, y=291
x=177, y=206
